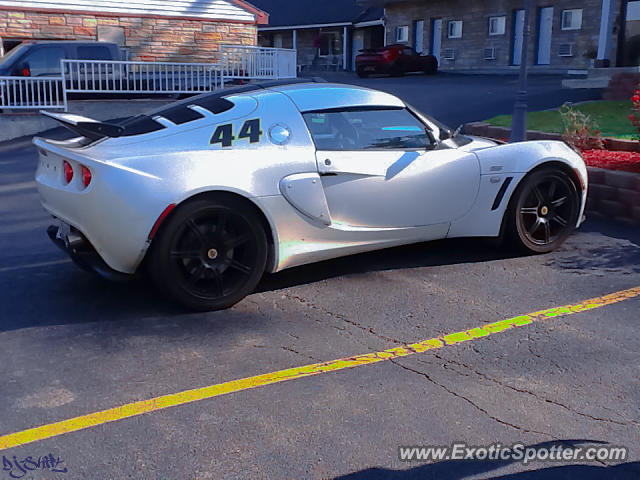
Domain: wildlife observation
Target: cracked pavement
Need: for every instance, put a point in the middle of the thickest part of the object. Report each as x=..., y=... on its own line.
x=72, y=344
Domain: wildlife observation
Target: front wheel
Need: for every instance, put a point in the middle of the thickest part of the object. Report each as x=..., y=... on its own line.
x=543, y=211
x=210, y=254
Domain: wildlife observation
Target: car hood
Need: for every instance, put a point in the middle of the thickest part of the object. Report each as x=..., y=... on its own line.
x=479, y=143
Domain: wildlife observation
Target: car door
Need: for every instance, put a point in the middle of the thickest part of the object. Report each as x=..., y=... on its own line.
x=412, y=60
x=380, y=167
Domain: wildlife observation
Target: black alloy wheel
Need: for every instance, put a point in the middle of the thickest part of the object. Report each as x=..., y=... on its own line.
x=210, y=255
x=544, y=211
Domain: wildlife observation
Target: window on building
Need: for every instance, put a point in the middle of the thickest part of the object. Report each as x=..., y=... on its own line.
x=329, y=43
x=386, y=128
x=497, y=25
x=572, y=19
x=455, y=29
x=277, y=40
x=402, y=34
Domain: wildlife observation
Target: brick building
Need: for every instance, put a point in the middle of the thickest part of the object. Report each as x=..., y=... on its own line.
x=176, y=30
x=463, y=34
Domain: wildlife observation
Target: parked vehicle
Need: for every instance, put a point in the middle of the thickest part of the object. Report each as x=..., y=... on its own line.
x=42, y=59
x=30, y=73
x=208, y=193
x=394, y=60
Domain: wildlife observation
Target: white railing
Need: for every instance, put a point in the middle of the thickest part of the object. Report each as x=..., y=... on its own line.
x=86, y=76
x=238, y=61
x=32, y=92
x=126, y=77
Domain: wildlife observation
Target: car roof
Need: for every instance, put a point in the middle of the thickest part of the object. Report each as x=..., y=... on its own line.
x=307, y=94
x=324, y=96
x=66, y=42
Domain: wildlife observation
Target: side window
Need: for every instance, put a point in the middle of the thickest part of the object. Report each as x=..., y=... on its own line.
x=94, y=53
x=409, y=52
x=367, y=129
x=44, y=61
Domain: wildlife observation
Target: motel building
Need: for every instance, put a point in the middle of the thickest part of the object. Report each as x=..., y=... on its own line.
x=488, y=34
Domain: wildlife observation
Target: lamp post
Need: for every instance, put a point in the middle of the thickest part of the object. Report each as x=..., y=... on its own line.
x=519, y=122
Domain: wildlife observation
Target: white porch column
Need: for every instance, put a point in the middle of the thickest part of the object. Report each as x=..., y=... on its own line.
x=295, y=39
x=606, y=29
x=344, y=48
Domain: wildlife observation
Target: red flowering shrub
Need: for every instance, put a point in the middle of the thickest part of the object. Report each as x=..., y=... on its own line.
x=634, y=116
x=580, y=130
x=612, y=160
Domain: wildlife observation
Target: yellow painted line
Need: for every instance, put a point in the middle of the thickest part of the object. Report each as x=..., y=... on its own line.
x=165, y=401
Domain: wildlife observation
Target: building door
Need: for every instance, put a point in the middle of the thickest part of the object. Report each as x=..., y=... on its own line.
x=418, y=35
x=277, y=40
x=518, y=35
x=544, y=36
x=436, y=38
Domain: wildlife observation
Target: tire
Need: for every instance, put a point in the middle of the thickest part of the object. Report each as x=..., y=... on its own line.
x=431, y=65
x=362, y=73
x=396, y=70
x=201, y=268
x=543, y=211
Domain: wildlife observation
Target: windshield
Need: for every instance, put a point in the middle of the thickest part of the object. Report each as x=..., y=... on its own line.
x=12, y=54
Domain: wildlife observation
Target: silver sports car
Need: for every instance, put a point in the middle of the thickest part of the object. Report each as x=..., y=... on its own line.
x=208, y=193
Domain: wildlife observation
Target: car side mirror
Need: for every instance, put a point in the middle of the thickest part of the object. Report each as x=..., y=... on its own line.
x=445, y=134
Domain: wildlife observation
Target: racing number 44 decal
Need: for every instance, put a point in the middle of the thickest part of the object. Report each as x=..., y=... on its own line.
x=223, y=134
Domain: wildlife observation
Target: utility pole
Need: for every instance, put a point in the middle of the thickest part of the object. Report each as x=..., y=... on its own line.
x=519, y=122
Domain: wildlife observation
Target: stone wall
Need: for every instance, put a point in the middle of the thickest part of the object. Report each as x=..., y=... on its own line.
x=475, y=37
x=147, y=38
x=614, y=194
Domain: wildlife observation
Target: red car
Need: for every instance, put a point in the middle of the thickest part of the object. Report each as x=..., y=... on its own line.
x=394, y=60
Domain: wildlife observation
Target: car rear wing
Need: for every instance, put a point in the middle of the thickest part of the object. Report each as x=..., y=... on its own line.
x=87, y=127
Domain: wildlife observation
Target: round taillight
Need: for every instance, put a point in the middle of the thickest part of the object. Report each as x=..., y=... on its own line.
x=86, y=176
x=68, y=171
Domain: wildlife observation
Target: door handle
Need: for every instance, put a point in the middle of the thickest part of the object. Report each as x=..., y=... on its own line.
x=329, y=174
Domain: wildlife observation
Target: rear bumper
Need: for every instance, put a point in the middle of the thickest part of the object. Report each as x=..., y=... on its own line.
x=113, y=217
x=373, y=67
x=83, y=254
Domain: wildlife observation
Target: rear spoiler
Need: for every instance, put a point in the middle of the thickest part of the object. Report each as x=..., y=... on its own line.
x=87, y=127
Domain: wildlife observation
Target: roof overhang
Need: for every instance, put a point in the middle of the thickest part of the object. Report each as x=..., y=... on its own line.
x=199, y=11
x=300, y=27
x=369, y=23
x=262, y=17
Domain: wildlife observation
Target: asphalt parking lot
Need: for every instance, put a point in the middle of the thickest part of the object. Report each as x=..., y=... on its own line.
x=72, y=344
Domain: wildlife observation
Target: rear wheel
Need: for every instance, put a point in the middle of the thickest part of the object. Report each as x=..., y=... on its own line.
x=430, y=65
x=361, y=73
x=210, y=254
x=396, y=70
x=543, y=211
